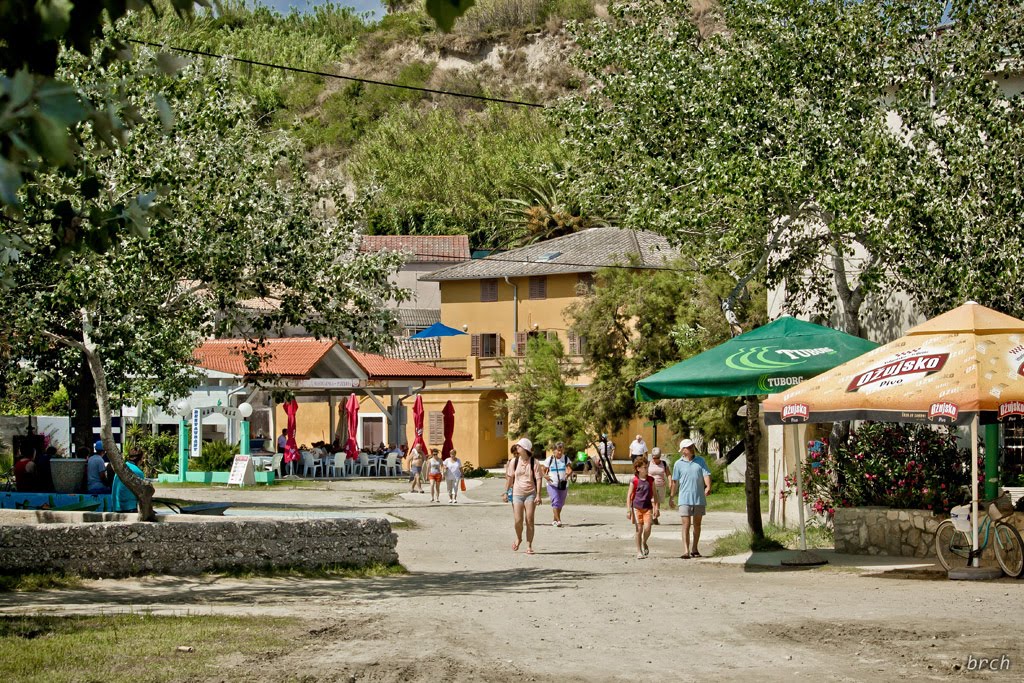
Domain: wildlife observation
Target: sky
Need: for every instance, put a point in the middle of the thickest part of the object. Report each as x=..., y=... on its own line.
x=360, y=6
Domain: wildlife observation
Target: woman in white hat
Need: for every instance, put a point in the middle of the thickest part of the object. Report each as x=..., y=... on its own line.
x=523, y=477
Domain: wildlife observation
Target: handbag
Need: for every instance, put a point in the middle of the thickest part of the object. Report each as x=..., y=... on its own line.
x=563, y=485
x=462, y=484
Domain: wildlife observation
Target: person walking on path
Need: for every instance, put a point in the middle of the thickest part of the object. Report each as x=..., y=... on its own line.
x=691, y=479
x=642, y=505
x=434, y=466
x=415, y=467
x=523, y=475
x=556, y=473
x=659, y=469
x=453, y=476
x=637, y=448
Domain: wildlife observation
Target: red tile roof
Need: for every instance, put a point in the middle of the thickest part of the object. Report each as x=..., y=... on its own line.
x=288, y=356
x=380, y=367
x=298, y=356
x=421, y=248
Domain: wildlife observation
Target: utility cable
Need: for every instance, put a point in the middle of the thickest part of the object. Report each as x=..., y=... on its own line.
x=251, y=62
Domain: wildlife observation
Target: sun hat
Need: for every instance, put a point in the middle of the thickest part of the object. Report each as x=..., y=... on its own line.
x=98, y=447
x=525, y=444
x=686, y=443
x=655, y=452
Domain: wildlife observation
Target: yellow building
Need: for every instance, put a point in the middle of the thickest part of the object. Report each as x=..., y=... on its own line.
x=498, y=302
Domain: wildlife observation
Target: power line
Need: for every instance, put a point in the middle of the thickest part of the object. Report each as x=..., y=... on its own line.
x=325, y=74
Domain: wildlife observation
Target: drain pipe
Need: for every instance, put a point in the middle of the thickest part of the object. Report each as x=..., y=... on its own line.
x=423, y=385
x=515, y=313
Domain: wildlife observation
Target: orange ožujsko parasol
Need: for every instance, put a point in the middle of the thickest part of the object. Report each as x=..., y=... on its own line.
x=962, y=367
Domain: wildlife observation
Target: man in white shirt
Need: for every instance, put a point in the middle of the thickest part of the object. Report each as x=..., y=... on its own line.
x=637, y=448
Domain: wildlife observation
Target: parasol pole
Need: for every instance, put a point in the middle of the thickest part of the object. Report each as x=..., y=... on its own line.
x=974, y=488
x=799, y=488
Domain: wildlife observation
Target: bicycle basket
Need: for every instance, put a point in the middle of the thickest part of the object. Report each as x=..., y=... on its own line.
x=961, y=517
x=1000, y=507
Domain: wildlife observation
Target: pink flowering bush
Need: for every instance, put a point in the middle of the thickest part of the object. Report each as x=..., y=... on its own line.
x=893, y=465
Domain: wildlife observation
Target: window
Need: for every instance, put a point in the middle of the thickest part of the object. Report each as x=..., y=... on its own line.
x=485, y=345
x=523, y=339
x=488, y=290
x=499, y=427
x=577, y=344
x=584, y=284
x=435, y=431
x=539, y=287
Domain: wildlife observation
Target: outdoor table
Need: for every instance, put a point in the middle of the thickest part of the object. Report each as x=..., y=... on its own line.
x=260, y=462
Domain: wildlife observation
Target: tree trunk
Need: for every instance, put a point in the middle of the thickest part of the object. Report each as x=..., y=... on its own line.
x=752, y=480
x=143, y=490
x=83, y=406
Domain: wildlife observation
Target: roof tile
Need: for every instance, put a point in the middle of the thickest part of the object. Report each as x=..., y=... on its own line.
x=420, y=248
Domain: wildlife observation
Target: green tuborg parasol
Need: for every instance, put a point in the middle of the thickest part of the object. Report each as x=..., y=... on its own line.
x=767, y=360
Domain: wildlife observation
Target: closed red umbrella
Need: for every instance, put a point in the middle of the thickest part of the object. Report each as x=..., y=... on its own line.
x=291, y=448
x=449, y=428
x=352, y=410
x=417, y=420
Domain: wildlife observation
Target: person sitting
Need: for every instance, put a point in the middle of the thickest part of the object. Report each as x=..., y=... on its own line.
x=121, y=497
x=44, y=475
x=25, y=479
x=96, y=471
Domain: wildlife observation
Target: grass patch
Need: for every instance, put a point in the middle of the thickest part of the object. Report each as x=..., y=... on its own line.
x=372, y=571
x=403, y=523
x=723, y=498
x=384, y=496
x=136, y=647
x=775, y=538
x=38, y=582
x=732, y=498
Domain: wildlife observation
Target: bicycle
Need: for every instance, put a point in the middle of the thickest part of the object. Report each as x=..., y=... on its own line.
x=953, y=537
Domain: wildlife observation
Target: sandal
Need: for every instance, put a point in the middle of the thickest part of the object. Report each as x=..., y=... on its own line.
x=686, y=557
x=647, y=551
x=695, y=554
x=515, y=545
x=529, y=551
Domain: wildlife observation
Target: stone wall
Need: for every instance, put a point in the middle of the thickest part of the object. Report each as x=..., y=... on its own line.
x=186, y=545
x=883, y=531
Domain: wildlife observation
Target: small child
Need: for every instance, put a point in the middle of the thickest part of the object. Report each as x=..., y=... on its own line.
x=642, y=506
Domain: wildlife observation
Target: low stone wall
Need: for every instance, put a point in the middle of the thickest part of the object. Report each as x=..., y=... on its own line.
x=188, y=545
x=883, y=531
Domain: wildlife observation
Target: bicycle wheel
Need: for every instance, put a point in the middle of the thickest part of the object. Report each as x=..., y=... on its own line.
x=1009, y=550
x=950, y=544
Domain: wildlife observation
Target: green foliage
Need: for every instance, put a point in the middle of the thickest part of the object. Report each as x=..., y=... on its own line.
x=160, y=451
x=216, y=457
x=541, y=405
x=896, y=465
x=775, y=538
x=636, y=323
x=346, y=115
x=34, y=398
x=437, y=173
x=488, y=17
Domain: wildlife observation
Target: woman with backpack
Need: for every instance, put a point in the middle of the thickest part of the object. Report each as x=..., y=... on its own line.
x=523, y=477
x=556, y=473
x=642, y=505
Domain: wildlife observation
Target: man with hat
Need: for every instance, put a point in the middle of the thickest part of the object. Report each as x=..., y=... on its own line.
x=691, y=481
x=95, y=471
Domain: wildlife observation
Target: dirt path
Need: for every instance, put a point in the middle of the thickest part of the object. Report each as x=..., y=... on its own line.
x=582, y=609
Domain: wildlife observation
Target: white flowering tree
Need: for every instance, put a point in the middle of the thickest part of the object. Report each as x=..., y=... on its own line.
x=241, y=241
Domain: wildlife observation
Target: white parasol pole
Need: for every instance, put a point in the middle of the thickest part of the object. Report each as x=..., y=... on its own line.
x=799, y=487
x=974, y=487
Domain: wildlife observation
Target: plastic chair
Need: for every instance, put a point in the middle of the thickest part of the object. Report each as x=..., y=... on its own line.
x=364, y=465
x=391, y=467
x=275, y=466
x=310, y=464
x=373, y=464
x=338, y=465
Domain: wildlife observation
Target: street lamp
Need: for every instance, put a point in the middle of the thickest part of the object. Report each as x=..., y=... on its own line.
x=245, y=410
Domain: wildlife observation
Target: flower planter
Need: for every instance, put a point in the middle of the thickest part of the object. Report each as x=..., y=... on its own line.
x=67, y=474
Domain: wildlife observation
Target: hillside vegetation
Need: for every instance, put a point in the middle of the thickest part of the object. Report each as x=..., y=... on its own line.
x=426, y=163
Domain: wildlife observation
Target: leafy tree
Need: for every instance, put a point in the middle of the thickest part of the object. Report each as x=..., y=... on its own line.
x=957, y=234
x=243, y=242
x=638, y=322
x=542, y=404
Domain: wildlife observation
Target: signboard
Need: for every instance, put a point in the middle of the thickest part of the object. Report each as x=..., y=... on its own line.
x=242, y=472
x=130, y=411
x=323, y=383
x=197, y=433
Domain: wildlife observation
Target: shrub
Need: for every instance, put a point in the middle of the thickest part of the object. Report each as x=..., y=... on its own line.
x=216, y=457
x=894, y=465
x=160, y=451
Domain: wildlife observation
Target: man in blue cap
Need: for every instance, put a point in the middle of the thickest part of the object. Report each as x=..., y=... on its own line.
x=95, y=471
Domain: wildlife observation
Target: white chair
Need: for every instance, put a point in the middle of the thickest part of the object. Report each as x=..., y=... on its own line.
x=275, y=466
x=391, y=467
x=364, y=465
x=310, y=464
x=337, y=467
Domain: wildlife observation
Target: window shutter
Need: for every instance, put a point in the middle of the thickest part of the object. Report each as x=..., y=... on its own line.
x=521, y=340
x=436, y=427
x=474, y=345
x=499, y=345
x=539, y=287
x=488, y=290
x=552, y=336
x=574, y=344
